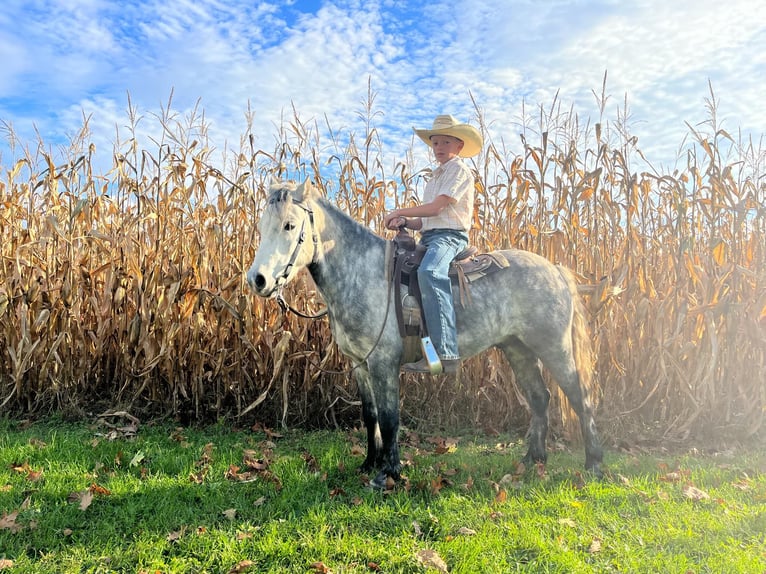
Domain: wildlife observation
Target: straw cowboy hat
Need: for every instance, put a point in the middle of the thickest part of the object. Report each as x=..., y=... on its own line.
x=449, y=126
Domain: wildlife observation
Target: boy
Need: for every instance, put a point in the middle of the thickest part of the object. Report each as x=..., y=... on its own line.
x=443, y=220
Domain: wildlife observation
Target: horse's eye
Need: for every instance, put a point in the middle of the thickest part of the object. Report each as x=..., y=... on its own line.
x=289, y=226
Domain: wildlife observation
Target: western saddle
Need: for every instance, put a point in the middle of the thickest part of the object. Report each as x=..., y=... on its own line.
x=404, y=261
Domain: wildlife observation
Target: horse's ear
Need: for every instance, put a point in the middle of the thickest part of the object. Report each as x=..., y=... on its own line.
x=304, y=191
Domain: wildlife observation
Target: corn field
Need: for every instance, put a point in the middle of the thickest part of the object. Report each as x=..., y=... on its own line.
x=126, y=289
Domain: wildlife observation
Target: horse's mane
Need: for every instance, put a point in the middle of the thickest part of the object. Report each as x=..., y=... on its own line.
x=280, y=198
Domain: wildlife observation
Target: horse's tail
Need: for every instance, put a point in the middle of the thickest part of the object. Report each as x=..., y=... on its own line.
x=583, y=358
x=581, y=341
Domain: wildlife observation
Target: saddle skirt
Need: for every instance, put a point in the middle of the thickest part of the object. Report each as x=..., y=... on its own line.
x=468, y=266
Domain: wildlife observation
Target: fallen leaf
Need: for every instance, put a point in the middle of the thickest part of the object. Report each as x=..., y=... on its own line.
x=86, y=497
x=198, y=477
x=310, y=461
x=32, y=475
x=321, y=568
x=417, y=529
x=430, y=559
x=259, y=501
x=175, y=536
x=67, y=532
x=694, y=493
x=5, y=564
x=137, y=458
x=241, y=566
x=357, y=450
x=8, y=522
x=501, y=496
x=466, y=531
x=595, y=546
x=230, y=513
x=96, y=489
x=567, y=522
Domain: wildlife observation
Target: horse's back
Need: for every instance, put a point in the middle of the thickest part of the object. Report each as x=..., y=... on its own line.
x=530, y=298
x=528, y=269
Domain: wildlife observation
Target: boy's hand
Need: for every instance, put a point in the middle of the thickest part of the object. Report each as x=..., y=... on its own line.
x=393, y=221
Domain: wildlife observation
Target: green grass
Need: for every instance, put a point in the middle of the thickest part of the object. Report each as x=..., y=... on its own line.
x=163, y=501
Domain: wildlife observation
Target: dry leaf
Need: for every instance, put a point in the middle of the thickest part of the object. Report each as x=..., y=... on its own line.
x=466, y=531
x=595, y=546
x=5, y=564
x=230, y=514
x=8, y=522
x=321, y=568
x=567, y=522
x=96, y=489
x=357, y=450
x=86, y=497
x=417, y=529
x=431, y=559
x=137, y=458
x=241, y=566
x=694, y=493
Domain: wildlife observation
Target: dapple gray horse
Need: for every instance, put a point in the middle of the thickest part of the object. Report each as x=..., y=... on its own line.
x=530, y=310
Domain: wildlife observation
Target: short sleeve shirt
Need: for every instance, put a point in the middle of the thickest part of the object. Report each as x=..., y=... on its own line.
x=454, y=179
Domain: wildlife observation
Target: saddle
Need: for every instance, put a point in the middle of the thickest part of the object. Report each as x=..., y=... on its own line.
x=468, y=266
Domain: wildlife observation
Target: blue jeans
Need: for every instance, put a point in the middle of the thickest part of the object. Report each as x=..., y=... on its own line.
x=442, y=245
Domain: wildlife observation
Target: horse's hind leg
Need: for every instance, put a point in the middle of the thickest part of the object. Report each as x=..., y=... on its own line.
x=529, y=378
x=561, y=364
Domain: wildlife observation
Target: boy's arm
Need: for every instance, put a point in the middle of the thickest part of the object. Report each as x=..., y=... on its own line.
x=413, y=214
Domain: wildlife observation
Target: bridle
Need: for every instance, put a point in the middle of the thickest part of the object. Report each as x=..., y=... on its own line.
x=280, y=282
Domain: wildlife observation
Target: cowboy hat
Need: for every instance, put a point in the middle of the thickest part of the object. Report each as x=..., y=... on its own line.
x=448, y=126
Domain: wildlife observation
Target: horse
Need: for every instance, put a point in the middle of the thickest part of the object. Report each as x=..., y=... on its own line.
x=530, y=310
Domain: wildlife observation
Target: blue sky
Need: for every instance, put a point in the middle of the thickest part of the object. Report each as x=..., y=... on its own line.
x=63, y=59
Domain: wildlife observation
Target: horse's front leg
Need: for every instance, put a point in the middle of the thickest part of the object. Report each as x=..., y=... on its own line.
x=384, y=384
x=370, y=418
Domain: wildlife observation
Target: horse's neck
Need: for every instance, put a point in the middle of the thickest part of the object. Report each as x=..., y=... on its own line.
x=352, y=261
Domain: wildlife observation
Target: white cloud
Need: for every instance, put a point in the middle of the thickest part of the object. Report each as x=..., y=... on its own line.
x=512, y=56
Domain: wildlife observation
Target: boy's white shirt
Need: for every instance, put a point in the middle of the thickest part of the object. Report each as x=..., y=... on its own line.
x=453, y=178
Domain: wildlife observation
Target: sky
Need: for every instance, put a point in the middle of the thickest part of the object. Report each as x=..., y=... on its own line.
x=63, y=60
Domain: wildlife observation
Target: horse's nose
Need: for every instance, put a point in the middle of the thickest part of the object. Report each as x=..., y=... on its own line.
x=257, y=281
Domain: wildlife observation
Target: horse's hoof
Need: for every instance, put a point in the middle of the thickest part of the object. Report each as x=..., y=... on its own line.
x=382, y=482
x=596, y=470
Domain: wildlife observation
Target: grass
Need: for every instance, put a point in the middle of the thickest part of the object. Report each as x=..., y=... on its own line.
x=118, y=496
